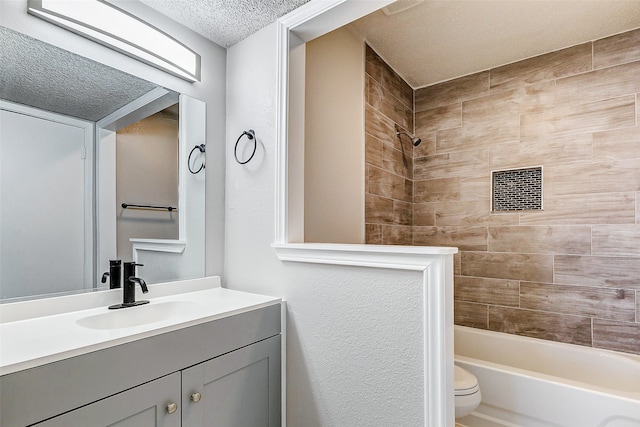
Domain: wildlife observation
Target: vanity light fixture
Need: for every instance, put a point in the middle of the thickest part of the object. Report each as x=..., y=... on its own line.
x=106, y=24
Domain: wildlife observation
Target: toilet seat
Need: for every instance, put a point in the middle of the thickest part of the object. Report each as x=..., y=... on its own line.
x=465, y=383
x=467, y=392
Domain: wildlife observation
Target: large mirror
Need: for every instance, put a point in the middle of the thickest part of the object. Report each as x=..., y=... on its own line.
x=77, y=138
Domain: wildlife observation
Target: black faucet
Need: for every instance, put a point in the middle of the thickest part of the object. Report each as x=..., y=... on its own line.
x=129, y=287
x=114, y=274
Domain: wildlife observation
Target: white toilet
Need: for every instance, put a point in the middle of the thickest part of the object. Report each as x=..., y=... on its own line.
x=467, y=393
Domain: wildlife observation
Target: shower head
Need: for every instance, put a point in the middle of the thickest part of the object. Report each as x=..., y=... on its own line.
x=414, y=139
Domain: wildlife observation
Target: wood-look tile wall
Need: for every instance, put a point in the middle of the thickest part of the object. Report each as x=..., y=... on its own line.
x=569, y=273
x=388, y=158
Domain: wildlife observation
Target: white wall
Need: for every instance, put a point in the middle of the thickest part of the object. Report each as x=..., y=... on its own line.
x=355, y=335
x=334, y=139
x=13, y=15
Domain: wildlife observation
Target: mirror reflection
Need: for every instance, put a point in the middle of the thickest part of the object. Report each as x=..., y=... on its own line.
x=147, y=180
x=61, y=192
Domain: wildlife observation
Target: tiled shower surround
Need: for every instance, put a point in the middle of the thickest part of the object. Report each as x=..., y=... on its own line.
x=568, y=273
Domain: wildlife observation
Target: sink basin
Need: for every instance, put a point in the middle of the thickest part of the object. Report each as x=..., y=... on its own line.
x=140, y=315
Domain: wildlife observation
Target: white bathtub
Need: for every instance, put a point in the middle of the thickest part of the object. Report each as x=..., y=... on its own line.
x=535, y=383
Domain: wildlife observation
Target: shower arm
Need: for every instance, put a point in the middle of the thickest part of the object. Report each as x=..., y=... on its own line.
x=414, y=139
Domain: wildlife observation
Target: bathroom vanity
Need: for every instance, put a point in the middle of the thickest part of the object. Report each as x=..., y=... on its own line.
x=207, y=357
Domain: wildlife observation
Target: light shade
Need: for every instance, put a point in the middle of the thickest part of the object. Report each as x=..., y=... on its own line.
x=108, y=25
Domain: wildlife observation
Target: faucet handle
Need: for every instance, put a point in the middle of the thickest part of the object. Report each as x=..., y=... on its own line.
x=130, y=269
x=133, y=264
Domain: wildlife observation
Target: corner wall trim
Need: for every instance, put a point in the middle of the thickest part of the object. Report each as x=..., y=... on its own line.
x=376, y=256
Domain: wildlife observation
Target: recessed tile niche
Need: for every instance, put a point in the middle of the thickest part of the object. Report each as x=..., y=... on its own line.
x=517, y=189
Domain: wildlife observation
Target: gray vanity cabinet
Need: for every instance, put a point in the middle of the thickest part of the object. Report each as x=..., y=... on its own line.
x=240, y=388
x=224, y=372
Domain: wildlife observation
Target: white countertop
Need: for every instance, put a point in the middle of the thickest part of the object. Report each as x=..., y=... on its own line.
x=34, y=341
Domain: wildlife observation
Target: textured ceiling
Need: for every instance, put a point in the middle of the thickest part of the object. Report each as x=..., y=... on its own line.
x=434, y=41
x=440, y=40
x=225, y=22
x=44, y=76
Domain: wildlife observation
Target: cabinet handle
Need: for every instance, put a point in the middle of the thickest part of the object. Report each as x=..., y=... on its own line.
x=195, y=397
x=172, y=407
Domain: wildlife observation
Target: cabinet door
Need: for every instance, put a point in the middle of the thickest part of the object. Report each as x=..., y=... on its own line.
x=142, y=406
x=241, y=388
